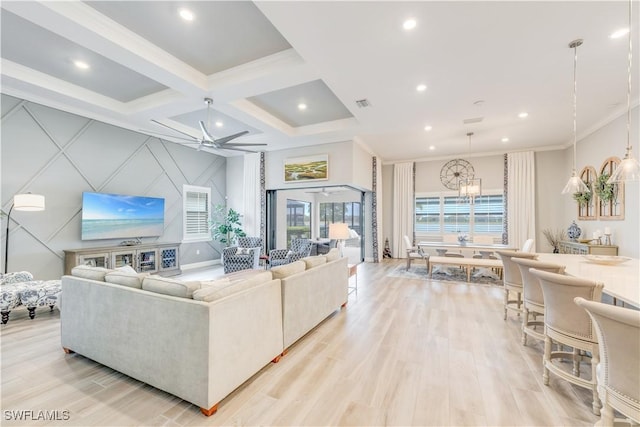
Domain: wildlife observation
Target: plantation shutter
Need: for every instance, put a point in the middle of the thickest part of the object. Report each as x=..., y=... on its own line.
x=196, y=213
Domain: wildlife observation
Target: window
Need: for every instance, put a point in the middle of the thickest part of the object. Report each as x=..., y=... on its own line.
x=446, y=214
x=197, y=216
x=298, y=220
x=348, y=212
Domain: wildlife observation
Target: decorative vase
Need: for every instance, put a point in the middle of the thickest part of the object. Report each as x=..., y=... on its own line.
x=574, y=231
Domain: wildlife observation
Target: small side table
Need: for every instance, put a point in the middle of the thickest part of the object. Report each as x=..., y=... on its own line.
x=353, y=272
x=264, y=259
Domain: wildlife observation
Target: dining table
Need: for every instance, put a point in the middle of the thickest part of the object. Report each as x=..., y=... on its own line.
x=621, y=280
x=485, y=250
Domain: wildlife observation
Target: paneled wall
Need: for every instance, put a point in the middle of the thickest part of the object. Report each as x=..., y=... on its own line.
x=60, y=155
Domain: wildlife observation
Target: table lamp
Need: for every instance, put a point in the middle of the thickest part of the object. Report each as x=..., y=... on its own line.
x=339, y=231
x=22, y=202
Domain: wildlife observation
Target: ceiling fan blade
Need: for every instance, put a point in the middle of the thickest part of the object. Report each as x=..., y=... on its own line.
x=244, y=145
x=235, y=149
x=205, y=133
x=226, y=139
x=175, y=130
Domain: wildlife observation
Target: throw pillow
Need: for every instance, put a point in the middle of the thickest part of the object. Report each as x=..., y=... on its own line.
x=312, y=261
x=166, y=286
x=289, y=254
x=333, y=254
x=283, y=271
x=124, y=278
x=126, y=269
x=89, y=272
x=243, y=251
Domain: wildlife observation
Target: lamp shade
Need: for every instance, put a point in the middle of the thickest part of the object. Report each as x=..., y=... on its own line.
x=28, y=202
x=627, y=170
x=575, y=185
x=470, y=187
x=339, y=231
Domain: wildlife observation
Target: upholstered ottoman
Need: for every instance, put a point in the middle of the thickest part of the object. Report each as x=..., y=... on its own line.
x=39, y=293
x=11, y=284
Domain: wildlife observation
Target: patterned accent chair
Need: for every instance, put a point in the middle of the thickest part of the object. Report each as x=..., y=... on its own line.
x=244, y=256
x=300, y=248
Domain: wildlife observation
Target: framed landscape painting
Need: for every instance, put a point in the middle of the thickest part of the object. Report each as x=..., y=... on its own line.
x=309, y=168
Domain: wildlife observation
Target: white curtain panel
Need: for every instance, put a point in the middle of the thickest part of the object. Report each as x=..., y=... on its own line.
x=521, y=190
x=403, y=212
x=251, y=217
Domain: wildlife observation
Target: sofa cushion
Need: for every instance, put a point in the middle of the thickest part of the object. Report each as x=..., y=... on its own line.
x=220, y=288
x=282, y=271
x=166, y=286
x=126, y=278
x=258, y=275
x=312, y=261
x=333, y=254
x=89, y=272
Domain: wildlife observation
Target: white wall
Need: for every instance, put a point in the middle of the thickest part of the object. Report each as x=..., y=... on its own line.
x=551, y=176
x=490, y=169
x=349, y=164
x=60, y=155
x=608, y=141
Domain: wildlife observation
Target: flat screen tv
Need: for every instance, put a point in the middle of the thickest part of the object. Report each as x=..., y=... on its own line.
x=118, y=216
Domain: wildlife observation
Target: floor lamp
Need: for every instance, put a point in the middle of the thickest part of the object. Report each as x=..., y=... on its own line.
x=339, y=231
x=22, y=202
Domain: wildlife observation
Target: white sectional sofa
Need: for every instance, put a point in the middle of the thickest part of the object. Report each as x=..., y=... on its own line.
x=197, y=340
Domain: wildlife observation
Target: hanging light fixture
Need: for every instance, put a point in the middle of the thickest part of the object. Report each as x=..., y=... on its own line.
x=629, y=168
x=470, y=187
x=575, y=184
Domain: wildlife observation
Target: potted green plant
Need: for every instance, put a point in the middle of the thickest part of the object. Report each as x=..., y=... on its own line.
x=226, y=225
x=584, y=197
x=606, y=192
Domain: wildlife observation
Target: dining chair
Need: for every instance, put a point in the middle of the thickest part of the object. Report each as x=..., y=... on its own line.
x=618, y=332
x=414, y=252
x=512, y=279
x=532, y=301
x=528, y=245
x=567, y=324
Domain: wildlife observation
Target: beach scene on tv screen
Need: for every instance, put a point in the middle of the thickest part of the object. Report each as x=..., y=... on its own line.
x=110, y=216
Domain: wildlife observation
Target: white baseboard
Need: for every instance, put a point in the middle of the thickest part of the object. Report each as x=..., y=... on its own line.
x=202, y=264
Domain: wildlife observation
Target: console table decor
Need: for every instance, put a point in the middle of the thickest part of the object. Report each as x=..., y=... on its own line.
x=567, y=247
x=160, y=258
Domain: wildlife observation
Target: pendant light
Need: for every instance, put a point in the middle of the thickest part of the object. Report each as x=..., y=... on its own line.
x=629, y=168
x=575, y=184
x=471, y=186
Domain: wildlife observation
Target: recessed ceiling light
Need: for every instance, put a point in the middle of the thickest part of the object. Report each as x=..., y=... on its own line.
x=523, y=114
x=81, y=64
x=186, y=14
x=409, y=24
x=219, y=124
x=302, y=106
x=432, y=147
x=619, y=33
x=505, y=139
x=421, y=87
x=427, y=128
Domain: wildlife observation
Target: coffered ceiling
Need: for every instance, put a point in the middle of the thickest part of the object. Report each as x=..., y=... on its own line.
x=483, y=63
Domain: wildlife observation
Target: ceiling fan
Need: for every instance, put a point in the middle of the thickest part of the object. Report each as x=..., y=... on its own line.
x=323, y=191
x=207, y=140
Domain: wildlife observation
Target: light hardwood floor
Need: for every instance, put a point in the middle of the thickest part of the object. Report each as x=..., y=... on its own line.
x=403, y=352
